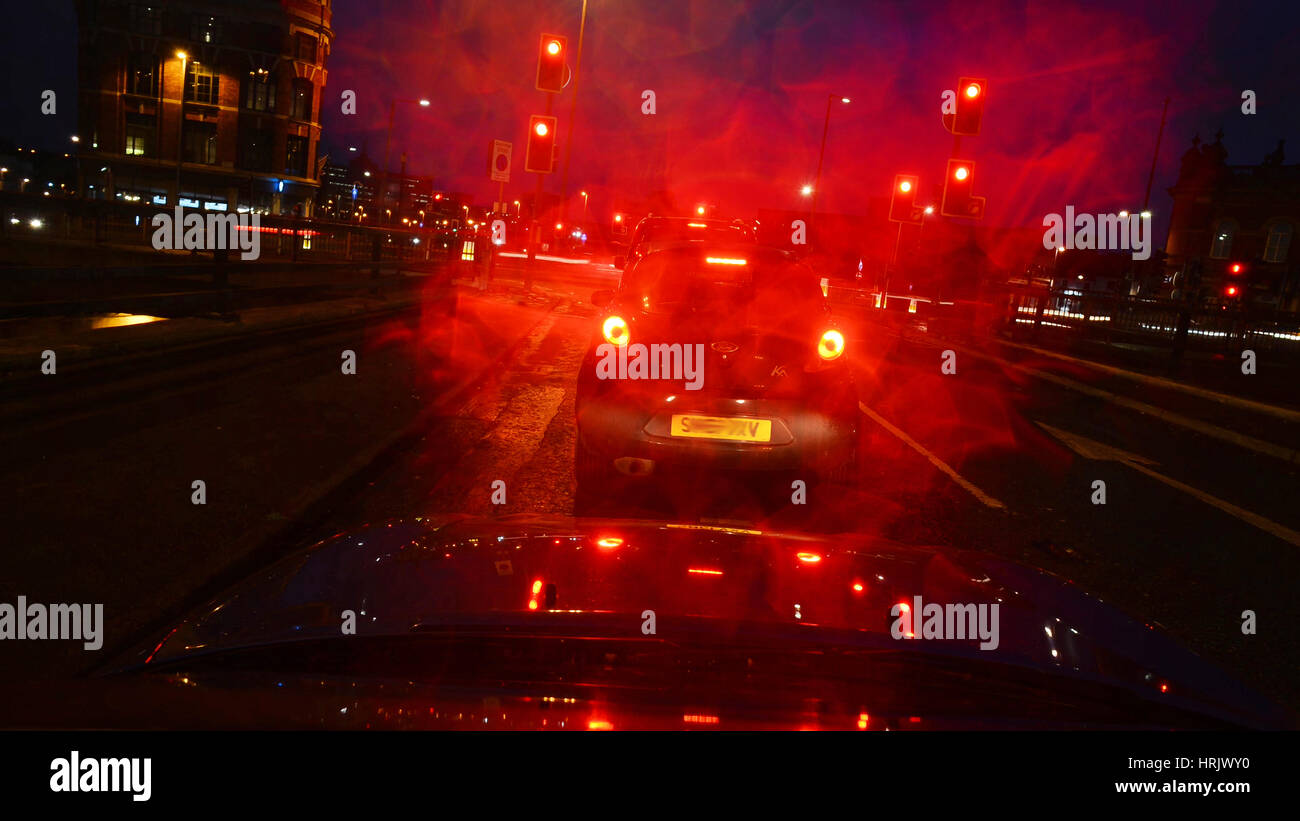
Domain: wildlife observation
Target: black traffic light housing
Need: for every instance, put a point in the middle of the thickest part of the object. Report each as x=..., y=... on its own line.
x=552, y=71
x=958, y=201
x=971, y=93
x=540, y=156
x=902, y=200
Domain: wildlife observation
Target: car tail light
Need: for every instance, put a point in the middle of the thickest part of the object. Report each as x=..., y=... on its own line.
x=615, y=330
x=831, y=345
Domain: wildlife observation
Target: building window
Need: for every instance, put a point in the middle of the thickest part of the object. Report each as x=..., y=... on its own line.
x=205, y=29
x=142, y=74
x=201, y=84
x=295, y=156
x=257, y=150
x=259, y=91
x=304, y=47
x=1278, y=243
x=146, y=18
x=200, y=142
x=140, y=131
x=1221, y=247
x=302, y=91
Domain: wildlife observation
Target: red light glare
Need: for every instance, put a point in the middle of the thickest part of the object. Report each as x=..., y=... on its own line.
x=1164, y=688
x=599, y=724
x=962, y=172
x=973, y=90
x=532, y=604
x=699, y=719
x=858, y=587
x=541, y=129
x=537, y=587
x=810, y=558
x=863, y=719
x=1232, y=290
x=905, y=186
x=1236, y=268
x=610, y=542
x=703, y=571
x=618, y=218
x=553, y=47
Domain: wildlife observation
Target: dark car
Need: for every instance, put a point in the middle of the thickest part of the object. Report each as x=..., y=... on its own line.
x=763, y=383
x=654, y=233
x=560, y=623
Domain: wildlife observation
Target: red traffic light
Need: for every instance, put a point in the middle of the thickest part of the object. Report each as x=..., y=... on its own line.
x=958, y=197
x=1231, y=290
x=969, y=107
x=540, y=156
x=552, y=73
x=1235, y=268
x=960, y=173
x=902, y=199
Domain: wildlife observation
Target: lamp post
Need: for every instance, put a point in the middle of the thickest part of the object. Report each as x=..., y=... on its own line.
x=573, y=109
x=821, y=156
x=388, y=144
x=584, y=206
x=180, y=126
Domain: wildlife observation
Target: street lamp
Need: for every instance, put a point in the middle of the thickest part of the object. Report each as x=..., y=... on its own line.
x=806, y=190
x=388, y=143
x=821, y=156
x=23, y=188
x=180, y=124
x=584, y=205
x=519, y=209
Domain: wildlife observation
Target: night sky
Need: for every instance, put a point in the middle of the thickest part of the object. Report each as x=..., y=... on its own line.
x=1075, y=93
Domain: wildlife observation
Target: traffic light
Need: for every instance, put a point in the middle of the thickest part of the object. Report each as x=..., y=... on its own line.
x=540, y=157
x=971, y=92
x=1232, y=291
x=957, y=198
x=902, y=201
x=1236, y=269
x=551, y=69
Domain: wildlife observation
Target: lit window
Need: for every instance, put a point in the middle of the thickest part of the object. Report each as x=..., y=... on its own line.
x=1221, y=247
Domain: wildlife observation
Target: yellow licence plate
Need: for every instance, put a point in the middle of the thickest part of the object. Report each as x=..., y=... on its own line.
x=735, y=429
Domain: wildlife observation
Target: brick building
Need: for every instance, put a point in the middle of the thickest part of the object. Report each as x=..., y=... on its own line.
x=244, y=134
x=1233, y=225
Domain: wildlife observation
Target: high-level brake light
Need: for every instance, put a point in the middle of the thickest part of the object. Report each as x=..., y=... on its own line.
x=725, y=261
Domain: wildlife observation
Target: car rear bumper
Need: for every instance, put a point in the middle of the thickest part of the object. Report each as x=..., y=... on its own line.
x=802, y=437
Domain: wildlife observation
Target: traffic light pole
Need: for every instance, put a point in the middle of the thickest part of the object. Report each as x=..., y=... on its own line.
x=573, y=109
x=535, y=230
x=821, y=155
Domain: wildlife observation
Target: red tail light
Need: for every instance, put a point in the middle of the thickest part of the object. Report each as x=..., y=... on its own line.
x=831, y=345
x=615, y=330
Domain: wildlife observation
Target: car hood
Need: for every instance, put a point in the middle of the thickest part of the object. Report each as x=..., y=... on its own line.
x=696, y=584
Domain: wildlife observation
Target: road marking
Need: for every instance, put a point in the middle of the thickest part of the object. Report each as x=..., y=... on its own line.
x=1090, y=449
x=1248, y=404
x=1230, y=436
x=943, y=466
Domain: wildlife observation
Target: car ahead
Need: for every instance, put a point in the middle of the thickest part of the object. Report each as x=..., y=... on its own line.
x=763, y=383
x=654, y=233
x=560, y=623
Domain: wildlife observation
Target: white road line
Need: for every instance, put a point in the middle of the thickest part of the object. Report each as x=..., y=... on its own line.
x=1223, y=398
x=943, y=466
x=1230, y=436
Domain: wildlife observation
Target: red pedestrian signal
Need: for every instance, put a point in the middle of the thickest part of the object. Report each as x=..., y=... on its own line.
x=971, y=92
x=1231, y=291
x=540, y=156
x=552, y=73
x=902, y=201
x=1236, y=268
x=958, y=201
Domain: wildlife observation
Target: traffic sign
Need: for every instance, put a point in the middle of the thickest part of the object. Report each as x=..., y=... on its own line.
x=499, y=161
